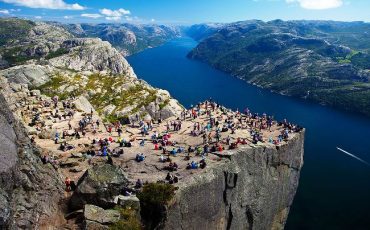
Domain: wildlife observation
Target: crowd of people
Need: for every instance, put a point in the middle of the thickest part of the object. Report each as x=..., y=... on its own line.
x=213, y=129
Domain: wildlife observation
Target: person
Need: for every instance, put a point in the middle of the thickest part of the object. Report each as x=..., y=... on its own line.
x=119, y=131
x=169, y=176
x=139, y=184
x=140, y=157
x=174, y=152
x=68, y=184
x=109, y=160
x=56, y=137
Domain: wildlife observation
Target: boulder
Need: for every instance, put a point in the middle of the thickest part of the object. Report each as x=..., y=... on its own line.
x=31, y=130
x=35, y=92
x=131, y=202
x=101, y=216
x=99, y=186
x=83, y=105
x=91, y=225
x=69, y=163
x=47, y=134
x=109, y=109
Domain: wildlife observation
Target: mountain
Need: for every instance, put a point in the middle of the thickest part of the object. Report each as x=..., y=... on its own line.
x=200, y=31
x=46, y=56
x=324, y=61
x=127, y=38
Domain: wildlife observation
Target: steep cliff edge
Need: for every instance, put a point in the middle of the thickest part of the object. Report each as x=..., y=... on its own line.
x=29, y=191
x=253, y=189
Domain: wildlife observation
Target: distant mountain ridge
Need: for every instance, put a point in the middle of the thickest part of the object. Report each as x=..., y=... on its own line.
x=127, y=38
x=324, y=61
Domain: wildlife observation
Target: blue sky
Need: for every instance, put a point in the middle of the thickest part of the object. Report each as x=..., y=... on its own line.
x=185, y=11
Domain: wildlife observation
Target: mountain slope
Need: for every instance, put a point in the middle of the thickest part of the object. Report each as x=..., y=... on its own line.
x=320, y=61
x=48, y=57
x=127, y=38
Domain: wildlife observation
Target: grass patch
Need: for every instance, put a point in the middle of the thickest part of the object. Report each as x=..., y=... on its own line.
x=129, y=220
x=103, y=91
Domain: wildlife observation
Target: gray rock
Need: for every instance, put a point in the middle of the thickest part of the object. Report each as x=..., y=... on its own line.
x=101, y=216
x=30, y=192
x=69, y=163
x=32, y=75
x=91, y=225
x=47, y=134
x=35, y=92
x=131, y=202
x=92, y=54
x=82, y=104
x=98, y=186
x=253, y=189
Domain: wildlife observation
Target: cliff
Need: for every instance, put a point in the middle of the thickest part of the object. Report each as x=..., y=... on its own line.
x=29, y=191
x=253, y=189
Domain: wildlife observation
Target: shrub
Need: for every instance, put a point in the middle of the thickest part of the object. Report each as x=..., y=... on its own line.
x=153, y=200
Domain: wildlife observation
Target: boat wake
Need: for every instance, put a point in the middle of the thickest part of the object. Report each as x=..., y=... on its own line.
x=353, y=156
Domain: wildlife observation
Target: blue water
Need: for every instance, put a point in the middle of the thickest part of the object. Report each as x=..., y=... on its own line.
x=334, y=189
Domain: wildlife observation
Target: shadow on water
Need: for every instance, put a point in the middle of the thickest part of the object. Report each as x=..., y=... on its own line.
x=334, y=190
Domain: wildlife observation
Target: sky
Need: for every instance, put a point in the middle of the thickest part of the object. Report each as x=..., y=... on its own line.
x=184, y=11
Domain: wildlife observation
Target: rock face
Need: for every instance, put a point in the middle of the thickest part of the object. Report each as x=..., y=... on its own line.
x=56, y=50
x=29, y=190
x=99, y=186
x=92, y=54
x=127, y=38
x=252, y=190
x=97, y=216
x=82, y=104
x=28, y=74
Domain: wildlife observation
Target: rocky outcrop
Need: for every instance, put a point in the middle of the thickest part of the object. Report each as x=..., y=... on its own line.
x=96, y=217
x=92, y=54
x=99, y=186
x=82, y=104
x=33, y=75
x=29, y=190
x=253, y=189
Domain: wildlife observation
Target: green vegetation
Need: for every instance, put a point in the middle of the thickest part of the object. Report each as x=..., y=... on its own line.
x=164, y=104
x=129, y=220
x=347, y=58
x=153, y=199
x=57, y=53
x=103, y=90
x=12, y=29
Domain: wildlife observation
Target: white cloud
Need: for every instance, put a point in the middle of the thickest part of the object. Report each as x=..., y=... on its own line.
x=68, y=17
x=91, y=16
x=4, y=11
x=46, y=4
x=317, y=4
x=38, y=17
x=114, y=15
